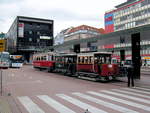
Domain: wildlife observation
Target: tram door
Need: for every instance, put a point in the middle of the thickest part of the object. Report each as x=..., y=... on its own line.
x=136, y=58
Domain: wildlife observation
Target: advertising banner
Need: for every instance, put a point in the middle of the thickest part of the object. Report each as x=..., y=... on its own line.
x=21, y=30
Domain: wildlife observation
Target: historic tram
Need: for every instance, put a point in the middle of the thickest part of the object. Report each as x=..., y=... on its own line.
x=44, y=61
x=96, y=65
x=92, y=66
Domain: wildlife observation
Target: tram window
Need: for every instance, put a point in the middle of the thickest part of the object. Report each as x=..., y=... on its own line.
x=56, y=58
x=52, y=57
x=79, y=60
x=86, y=60
x=44, y=58
x=49, y=58
x=82, y=59
x=107, y=60
x=95, y=60
x=101, y=60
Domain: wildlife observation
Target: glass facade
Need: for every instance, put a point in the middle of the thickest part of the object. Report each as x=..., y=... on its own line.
x=136, y=14
x=129, y=15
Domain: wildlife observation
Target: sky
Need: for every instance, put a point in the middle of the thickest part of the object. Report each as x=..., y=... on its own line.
x=65, y=13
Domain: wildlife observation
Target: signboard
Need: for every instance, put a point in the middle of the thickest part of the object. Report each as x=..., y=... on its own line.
x=147, y=58
x=45, y=37
x=2, y=45
x=21, y=30
x=109, y=22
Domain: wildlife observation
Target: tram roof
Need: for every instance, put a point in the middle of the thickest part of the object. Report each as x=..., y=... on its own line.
x=94, y=53
x=66, y=54
x=44, y=53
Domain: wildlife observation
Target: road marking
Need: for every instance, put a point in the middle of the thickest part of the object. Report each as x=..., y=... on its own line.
x=127, y=92
x=30, y=105
x=106, y=104
x=56, y=105
x=80, y=104
x=126, y=96
x=135, y=90
x=147, y=108
x=146, y=89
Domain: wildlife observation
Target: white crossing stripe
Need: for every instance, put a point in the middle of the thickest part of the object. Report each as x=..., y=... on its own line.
x=81, y=104
x=106, y=104
x=146, y=89
x=126, y=96
x=135, y=90
x=30, y=105
x=147, y=108
x=56, y=105
x=127, y=92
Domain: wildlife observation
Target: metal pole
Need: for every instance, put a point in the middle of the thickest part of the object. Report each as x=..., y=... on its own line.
x=1, y=83
x=1, y=74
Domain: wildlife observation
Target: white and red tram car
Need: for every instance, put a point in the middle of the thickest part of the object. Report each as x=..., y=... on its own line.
x=44, y=61
x=96, y=65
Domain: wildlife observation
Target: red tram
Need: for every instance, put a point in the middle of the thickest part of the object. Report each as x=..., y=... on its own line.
x=93, y=65
x=96, y=65
x=44, y=61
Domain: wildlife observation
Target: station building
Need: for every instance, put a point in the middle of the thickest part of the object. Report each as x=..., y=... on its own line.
x=28, y=35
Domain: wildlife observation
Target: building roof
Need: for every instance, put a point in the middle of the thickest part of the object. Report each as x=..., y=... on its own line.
x=124, y=6
x=127, y=3
x=86, y=27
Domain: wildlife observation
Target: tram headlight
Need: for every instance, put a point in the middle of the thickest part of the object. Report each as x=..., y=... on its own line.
x=110, y=66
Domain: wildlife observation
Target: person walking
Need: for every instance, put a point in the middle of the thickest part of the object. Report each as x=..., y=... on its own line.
x=130, y=75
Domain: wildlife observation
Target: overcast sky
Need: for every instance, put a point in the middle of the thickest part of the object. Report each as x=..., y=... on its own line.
x=65, y=13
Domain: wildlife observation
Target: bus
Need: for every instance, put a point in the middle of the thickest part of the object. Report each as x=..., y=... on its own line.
x=4, y=60
x=16, y=61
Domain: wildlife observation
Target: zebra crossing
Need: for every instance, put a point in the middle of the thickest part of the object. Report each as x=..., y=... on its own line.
x=138, y=100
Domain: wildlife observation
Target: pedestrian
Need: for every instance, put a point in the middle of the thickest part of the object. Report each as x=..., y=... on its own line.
x=130, y=75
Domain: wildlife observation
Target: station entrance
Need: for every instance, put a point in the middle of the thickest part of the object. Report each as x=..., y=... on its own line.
x=136, y=58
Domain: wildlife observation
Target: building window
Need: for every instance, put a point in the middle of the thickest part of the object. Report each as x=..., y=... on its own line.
x=38, y=40
x=38, y=32
x=30, y=39
x=38, y=25
x=30, y=24
x=30, y=32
